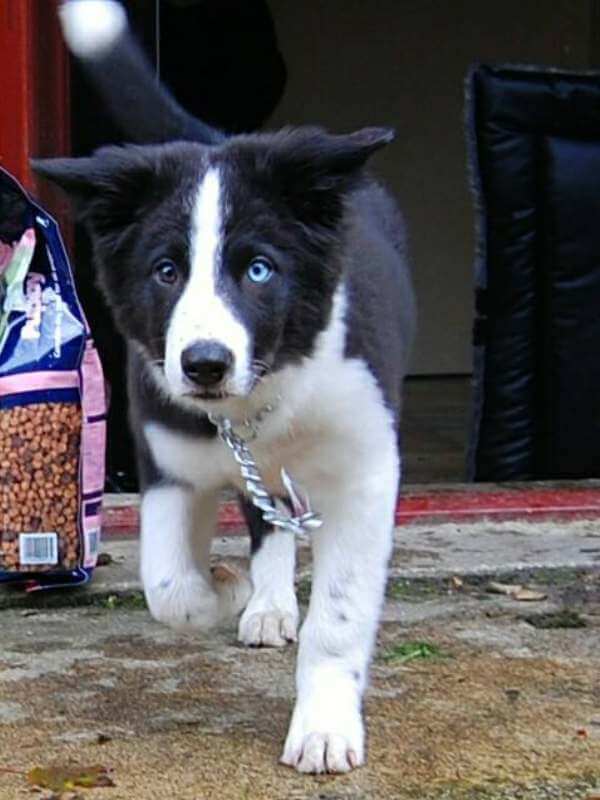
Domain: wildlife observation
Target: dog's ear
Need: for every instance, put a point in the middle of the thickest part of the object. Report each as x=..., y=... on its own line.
x=344, y=154
x=315, y=152
x=108, y=188
x=315, y=168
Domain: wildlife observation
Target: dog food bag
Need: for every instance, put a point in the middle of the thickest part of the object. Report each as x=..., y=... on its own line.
x=52, y=406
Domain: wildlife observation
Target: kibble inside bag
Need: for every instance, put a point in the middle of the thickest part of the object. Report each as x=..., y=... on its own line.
x=52, y=405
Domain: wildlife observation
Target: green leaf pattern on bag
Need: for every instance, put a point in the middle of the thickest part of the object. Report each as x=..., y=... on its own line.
x=13, y=271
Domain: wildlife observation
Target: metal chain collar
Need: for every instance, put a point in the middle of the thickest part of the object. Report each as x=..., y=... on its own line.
x=301, y=519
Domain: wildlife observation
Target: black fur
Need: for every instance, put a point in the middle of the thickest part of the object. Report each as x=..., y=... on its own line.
x=301, y=200
x=289, y=195
x=142, y=108
x=299, y=196
x=257, y=528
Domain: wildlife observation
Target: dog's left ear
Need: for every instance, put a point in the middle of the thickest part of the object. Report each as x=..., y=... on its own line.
x=313, y=153
x=315, y=168
x=346, y=153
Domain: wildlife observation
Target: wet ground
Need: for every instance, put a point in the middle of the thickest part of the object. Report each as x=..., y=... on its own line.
x=474, y=693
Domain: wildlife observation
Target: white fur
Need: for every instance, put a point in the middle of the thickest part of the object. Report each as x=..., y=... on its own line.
x=201, y=312
x=91, y=27
x=335, y=436
x=271, y=616
x=350, y=552
x=177, y=528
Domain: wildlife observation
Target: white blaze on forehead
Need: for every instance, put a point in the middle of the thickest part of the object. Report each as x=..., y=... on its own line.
x=201, y=312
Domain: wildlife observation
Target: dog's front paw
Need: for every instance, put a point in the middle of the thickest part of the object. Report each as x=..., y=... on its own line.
x=186, y=603
x=269, y=622
x=268, y=629
x=317, y=744
x=322, y=752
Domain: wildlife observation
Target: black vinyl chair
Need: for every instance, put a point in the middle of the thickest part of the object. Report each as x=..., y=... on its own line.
x=534, y=151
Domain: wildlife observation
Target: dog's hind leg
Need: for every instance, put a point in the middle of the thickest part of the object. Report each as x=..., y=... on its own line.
x=271, y=616
x=182, y=592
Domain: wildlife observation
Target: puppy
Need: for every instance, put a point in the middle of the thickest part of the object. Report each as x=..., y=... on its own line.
x=252, y=272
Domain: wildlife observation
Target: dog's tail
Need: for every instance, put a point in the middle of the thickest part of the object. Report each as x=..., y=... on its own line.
x=97, y=33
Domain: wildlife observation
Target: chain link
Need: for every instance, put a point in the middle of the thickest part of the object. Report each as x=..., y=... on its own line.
x=273, y=510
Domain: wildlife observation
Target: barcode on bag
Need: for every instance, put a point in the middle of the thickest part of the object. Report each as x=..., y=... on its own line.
x=93, y=543
x=38, y=548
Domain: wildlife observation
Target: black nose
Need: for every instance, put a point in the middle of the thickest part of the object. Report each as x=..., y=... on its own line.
x=206, y=363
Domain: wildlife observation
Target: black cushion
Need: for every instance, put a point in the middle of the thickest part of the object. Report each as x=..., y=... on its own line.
x=535, y=163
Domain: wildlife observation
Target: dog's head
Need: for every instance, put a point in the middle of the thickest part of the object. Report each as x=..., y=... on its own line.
x=220, y=263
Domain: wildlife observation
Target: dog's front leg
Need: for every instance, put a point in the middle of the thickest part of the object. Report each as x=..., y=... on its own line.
x=181, y=591
x=351, y=552
x=271, y=616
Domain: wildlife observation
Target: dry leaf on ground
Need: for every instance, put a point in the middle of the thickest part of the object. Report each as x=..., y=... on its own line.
x=65, y=779
x=516, y=591
x=503, y=588
x=529, y=595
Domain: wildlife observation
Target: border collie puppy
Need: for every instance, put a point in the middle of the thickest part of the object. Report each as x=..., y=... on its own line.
x=255, y=270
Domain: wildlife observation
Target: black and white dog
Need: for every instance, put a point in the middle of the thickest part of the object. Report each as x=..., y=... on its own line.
x=246, y=271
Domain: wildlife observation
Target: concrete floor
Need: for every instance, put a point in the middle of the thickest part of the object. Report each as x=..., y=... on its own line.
x=435, y=429
x=507, y=707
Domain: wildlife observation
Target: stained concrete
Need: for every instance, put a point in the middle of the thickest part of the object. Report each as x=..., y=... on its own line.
x=507, y=706
x=420, y=552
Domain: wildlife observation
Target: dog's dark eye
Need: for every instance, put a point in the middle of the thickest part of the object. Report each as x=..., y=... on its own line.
x=166, y=272
x=259, y=270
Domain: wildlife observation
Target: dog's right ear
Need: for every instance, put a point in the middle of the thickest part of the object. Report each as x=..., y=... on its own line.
x=108, y=188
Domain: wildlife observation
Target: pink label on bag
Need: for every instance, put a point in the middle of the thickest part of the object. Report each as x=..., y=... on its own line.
x=93, y=438
x=93, y=447
x=38, y=381
x=93, y=394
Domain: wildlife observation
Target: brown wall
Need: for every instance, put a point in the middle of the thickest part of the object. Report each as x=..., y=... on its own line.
x=402, y=63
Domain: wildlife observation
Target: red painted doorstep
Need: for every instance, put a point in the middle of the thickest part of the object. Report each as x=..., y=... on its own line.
x=555, y=501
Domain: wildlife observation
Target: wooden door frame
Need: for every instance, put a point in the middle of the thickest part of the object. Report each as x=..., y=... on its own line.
x=34, y=92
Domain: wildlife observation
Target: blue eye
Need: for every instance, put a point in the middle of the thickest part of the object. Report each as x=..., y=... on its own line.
x=259, y=270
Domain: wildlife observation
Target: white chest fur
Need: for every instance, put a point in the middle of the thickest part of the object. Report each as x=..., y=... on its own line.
x=335, y=436
x=330, y=421
x=341, y=422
